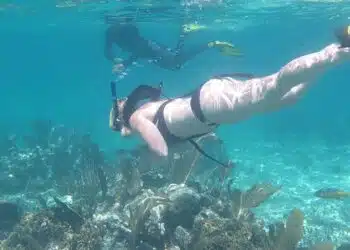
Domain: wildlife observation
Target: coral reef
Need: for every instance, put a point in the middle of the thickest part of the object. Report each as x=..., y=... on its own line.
x=68, y=196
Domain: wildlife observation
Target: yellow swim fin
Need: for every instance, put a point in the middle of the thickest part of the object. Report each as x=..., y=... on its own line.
x=343, y=36
x=192, y=27
x=225, y=48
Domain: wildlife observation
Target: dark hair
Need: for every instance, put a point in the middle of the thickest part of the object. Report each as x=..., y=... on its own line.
x=142, y=92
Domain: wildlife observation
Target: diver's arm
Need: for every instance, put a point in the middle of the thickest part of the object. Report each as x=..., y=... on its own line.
x=150, y=134
x=108, y=49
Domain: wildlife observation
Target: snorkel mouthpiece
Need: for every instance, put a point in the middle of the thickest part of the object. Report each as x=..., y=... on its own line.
x=114, y=119
x=113, y=90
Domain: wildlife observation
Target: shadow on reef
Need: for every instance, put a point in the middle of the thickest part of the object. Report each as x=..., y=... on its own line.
x=73, y=199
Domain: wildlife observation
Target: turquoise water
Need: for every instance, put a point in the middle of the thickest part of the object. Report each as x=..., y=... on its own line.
x=52, y=66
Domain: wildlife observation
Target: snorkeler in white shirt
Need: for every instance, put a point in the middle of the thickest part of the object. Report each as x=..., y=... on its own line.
x=222, y=100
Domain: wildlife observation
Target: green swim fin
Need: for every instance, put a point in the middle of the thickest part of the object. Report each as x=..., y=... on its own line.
x=192, y=27
x=225, y=48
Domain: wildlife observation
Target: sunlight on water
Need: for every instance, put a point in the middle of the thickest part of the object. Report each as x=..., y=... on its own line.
x=207, y=9
x=214, y=14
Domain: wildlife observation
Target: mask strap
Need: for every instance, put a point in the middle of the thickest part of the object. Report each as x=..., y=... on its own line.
x=200, y=150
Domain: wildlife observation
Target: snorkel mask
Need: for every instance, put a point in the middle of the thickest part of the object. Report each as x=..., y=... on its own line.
x=123, y=108
x=115, y=117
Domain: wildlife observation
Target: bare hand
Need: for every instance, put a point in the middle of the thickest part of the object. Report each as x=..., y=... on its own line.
x=118, y=68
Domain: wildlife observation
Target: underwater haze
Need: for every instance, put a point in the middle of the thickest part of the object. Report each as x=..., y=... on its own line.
x=52, y=67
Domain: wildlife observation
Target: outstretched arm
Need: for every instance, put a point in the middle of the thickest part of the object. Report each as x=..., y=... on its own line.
x=108, y=48
x=111, y=36
x=150, y=134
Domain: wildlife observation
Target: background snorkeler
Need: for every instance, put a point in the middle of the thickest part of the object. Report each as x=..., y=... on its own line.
x=124, y=33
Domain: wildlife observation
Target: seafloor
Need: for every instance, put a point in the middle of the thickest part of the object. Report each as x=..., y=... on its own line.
x=60, y=191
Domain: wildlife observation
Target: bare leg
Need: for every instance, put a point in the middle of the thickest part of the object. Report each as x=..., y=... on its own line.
x=228, y=101
x=307, y=68
x=290, y=98
x=181, y=56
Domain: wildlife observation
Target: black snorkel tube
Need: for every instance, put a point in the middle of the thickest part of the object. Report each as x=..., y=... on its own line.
x=116, y=123
x=113, y=91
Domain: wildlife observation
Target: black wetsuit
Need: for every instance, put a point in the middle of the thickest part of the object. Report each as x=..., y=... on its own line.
x=127, y=37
